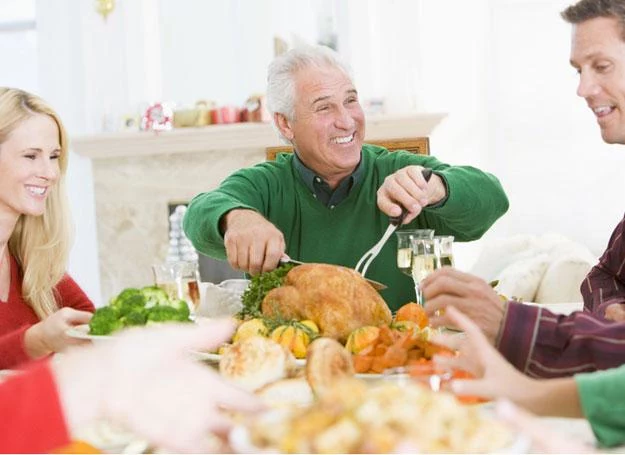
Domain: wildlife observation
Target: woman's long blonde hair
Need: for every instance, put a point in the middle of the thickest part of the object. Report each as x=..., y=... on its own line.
x=40, y=244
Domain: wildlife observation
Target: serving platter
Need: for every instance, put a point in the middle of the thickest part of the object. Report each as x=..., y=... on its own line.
x=215, y=358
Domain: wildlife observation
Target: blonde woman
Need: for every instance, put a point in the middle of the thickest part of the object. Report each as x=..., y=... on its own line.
x=38, y=300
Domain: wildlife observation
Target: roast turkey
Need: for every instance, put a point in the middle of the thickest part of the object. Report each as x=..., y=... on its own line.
x=336, y=298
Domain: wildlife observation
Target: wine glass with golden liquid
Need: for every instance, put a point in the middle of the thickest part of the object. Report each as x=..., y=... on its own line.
x=426, y=257
x=405, y=255
x=446, y=249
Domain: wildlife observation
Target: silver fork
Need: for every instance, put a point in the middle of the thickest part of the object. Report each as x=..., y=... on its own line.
x=395, y=221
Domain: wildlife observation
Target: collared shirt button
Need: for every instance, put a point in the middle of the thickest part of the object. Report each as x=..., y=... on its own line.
x=317, y=179
x=331, y=207
x=314, y=195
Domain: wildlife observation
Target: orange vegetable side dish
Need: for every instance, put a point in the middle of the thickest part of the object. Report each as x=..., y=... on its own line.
x=423, y=368
x=394, y=348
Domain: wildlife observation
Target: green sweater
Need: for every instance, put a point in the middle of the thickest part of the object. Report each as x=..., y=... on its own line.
x=603, y=404
x=315, y=233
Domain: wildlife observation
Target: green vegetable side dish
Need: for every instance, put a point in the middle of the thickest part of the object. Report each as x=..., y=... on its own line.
x=137, y=307
x=258, y=288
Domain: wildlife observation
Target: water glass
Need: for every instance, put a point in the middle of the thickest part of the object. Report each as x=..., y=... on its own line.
x=179, y=279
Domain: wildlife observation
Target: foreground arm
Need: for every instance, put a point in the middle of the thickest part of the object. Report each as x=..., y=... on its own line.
x=605, y=283
x=156, y=362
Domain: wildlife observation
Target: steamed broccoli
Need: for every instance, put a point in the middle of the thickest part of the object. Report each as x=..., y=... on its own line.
x=129, y=300
x=165, y=313
x=133, y=307
x=182, y=306
x=137, y=316
x=154, y=296
x=105, y=321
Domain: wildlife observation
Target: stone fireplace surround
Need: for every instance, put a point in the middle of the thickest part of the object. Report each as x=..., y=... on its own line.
x=138, y=174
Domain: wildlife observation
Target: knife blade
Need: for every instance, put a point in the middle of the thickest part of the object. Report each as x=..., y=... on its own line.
x=376, y=284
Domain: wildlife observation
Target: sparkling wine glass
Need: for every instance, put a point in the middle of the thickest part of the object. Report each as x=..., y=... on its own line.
x=426, y=257
x=405, y=255
x=446, y=250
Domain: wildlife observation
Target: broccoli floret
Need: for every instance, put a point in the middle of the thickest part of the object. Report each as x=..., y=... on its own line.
x=105, y=321
x=154, y=296
x=131, y=304
x=124, y=295
x=164, y=313
x=182, y=306
x=137, y=316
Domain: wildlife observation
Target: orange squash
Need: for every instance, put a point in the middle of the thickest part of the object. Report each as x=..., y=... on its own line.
x=412, y=312
x=293, y=338
x=361, y=338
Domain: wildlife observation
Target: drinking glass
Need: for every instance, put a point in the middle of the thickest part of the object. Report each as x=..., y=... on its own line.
x=404, y=247
x=425, y=259
x=446, y=249
x=404, y=252
x=179, y=279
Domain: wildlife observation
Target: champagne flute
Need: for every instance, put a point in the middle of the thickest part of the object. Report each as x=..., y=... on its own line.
x=426, y=257
x=404, y=252
x=446, y=247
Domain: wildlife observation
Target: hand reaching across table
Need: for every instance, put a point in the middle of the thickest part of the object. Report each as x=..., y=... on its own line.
x=144, y=379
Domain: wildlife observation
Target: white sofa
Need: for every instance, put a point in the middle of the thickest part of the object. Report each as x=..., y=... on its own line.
x=541, y=269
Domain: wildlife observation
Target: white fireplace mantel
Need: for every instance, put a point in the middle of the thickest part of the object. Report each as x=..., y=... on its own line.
x=138, y=175
x=232, y=137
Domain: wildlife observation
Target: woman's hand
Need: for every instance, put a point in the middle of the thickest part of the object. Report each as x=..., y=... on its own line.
x=496, y=377
x=48, y=336
x=499, y=379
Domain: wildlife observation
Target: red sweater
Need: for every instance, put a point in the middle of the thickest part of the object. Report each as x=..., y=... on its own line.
x=16, y=315
x=30, y=412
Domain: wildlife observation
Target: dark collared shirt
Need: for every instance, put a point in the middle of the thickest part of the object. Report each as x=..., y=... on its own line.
x=320, y=188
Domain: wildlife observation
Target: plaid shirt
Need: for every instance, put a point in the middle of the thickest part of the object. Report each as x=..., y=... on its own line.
x=543, y=344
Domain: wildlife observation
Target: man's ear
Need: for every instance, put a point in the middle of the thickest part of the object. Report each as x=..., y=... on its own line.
x=284, y=125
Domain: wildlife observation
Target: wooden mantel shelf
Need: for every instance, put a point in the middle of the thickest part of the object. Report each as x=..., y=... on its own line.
x=232, y=137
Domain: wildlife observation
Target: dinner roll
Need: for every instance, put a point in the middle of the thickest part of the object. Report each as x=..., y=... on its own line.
x=255, y=362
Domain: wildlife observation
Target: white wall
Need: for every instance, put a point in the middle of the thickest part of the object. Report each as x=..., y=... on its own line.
x=545, y=143
x=499, y=68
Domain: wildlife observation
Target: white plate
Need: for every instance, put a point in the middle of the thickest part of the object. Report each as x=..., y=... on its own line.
x=212, y=357
x=82, y=332
x=370, y=376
